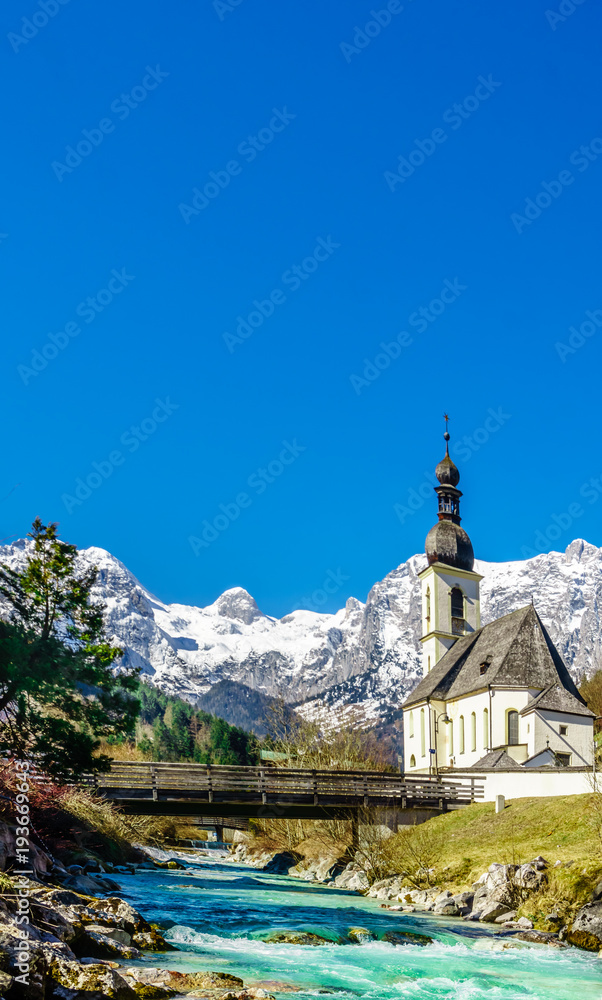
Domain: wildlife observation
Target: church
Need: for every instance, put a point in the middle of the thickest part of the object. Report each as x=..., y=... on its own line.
x=492, y=698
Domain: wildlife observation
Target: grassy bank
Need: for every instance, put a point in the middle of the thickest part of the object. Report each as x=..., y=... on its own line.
x=561, y=829
x=453, y=850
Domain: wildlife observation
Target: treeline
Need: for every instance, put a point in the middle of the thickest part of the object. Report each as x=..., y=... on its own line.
x=170, y=729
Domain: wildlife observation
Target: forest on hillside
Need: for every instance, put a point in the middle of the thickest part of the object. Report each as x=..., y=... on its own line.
x=171, y=729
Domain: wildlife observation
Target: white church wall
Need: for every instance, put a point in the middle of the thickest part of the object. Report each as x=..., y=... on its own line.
x=503, y=701
x=528, y=783
x=476, y=737
x=577, y=741
x=441, y=580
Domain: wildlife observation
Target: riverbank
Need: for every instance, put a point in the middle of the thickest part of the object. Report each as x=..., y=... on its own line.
x=472, y=863
x=253, y=923
x=283, y=934
x=244, y=934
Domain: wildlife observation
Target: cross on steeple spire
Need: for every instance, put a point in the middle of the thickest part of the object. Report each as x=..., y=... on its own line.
x=446, y=435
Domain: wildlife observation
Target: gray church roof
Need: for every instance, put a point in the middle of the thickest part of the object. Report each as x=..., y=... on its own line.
x=496, y=759
x=555, y=698
x=517, y=652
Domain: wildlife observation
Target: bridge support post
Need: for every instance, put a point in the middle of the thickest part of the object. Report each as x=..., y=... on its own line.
x=355, y=832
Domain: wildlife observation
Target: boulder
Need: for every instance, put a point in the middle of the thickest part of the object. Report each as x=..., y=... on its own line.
x=87, y=884
x=186, y=982
x=151, y=941
x=480, y=897
x=539, y=937
x=282, y=862
x=522, y=924
x=464, y=902
x=511, y=915
x=386, y=888
x=125, y=915
x=491, y=911
x=296, y=937
x=360, y=935
x=586, y=931
x=353, y=877
x=100, y=945
x=115, y=933
x=447, y=908
x=97, y=979
x=407, y=937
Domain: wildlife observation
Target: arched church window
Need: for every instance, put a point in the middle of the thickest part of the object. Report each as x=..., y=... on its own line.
x=411, y=724
x=461, y=734
x=457, y=603
x=422, y=734
x=473, y=731
x=428, y=604
x=485, y=728
x=512, y=728
x=412, y=761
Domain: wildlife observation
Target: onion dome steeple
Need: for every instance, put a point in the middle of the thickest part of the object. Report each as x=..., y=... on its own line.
x=447, y=542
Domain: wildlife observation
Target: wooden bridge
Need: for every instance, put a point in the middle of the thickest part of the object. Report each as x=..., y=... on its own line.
x=273, y=792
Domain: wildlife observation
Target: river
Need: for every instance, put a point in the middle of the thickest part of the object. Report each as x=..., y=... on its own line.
x=217, y=913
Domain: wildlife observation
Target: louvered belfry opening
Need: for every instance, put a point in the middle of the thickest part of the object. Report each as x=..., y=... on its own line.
x=457, y=612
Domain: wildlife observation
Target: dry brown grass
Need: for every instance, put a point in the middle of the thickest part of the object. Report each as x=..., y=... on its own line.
x=122, y=751
x=114, y=826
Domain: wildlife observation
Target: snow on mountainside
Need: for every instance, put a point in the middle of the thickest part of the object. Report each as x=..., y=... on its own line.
x=366, y=654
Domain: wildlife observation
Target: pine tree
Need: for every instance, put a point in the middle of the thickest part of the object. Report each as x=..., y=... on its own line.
x=58, y=691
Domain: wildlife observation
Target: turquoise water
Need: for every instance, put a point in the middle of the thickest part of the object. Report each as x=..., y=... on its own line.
x=217, y=913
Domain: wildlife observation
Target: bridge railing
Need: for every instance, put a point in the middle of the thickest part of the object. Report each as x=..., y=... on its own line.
x=219, y=782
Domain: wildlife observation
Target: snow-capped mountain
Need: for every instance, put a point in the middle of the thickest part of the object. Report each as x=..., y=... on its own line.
x=367, y=654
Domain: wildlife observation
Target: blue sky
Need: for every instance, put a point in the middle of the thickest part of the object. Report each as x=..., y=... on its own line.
x=256, y=197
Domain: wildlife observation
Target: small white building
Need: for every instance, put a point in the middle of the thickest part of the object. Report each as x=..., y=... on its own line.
x=492, y=697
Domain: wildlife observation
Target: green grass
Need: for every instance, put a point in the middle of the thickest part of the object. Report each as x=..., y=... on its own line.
x=565, y=829
x=562, y=828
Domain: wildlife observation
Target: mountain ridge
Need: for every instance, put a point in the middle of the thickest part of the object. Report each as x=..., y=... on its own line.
x=366, y=654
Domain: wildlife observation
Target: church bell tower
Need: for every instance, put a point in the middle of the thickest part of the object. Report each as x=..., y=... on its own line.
x=450, y=587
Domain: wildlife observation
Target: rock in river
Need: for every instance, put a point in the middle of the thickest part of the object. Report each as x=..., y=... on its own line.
x=296, y=937
x=406, y=937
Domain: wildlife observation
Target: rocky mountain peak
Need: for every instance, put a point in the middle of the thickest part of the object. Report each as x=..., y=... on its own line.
x=238, y=604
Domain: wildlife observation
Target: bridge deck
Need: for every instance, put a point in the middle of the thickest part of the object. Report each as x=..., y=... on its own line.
x=261, y=791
